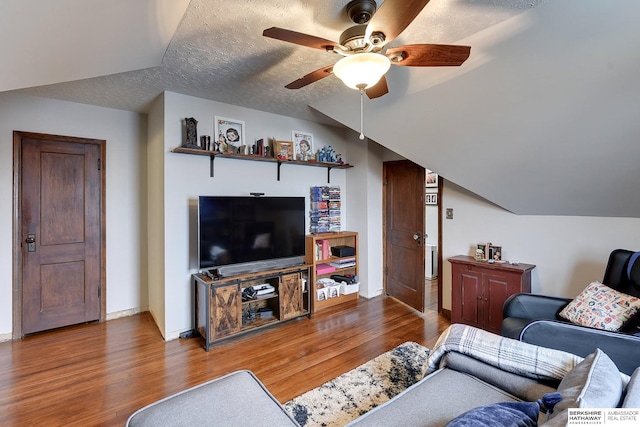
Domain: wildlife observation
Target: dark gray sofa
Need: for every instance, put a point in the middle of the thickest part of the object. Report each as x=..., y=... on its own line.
x=466, y=369
x=535, y=318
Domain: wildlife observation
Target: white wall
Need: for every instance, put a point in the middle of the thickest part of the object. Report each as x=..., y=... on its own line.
x=125, y=133
x=569, y=251
x=365, y=212
x=187, y=176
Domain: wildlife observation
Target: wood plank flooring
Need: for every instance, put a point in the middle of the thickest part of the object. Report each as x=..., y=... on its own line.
x=98, y=374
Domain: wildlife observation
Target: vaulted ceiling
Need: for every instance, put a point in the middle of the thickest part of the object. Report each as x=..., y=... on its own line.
x=542, y=118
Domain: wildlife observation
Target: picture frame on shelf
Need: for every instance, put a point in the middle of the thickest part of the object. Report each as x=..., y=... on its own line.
x=431, y=179
x=191, y=127
x=431, y=198
x=229, y=135
x=303, y=145
x=283, y=150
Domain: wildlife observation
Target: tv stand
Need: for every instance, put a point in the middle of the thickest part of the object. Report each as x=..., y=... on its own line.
x=220, y=312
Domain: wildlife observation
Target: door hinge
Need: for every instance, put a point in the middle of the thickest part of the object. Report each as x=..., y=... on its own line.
x=386, y=270
x=99, y=292
x=99, y=164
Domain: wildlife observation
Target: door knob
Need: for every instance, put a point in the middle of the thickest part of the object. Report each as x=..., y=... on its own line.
x=31, y=242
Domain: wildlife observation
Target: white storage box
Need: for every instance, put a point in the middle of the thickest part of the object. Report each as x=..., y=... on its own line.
x=346, y=289
x=322, y=294
x=334, y=291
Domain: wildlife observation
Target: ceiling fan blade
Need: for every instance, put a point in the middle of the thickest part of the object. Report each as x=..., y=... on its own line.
x=428, y=55
x=378, y=89
x=300, y=38
x=311, y=77
x=393, y=17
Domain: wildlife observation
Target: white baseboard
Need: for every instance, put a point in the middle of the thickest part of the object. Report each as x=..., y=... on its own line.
x=6, y=337
x=126, y=313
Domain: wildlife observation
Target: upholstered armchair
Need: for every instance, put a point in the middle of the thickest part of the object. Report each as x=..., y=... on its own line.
x=536, y=318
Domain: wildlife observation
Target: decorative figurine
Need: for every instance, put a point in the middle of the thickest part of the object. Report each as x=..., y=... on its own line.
x=330, y=157
x=191, y=125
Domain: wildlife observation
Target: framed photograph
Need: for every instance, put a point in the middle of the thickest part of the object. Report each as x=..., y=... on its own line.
x=431, y=198
x=495, y=253
x=481, y=252
x=432, y=179
x=229, y=136
x=283, y=150
x=303, y=145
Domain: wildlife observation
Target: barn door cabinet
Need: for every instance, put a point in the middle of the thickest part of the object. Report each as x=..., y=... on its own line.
x=220, y=312
x=479, y=290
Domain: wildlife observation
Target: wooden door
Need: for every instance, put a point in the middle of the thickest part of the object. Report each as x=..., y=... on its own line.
x=498, y=286
x=467, y=288
x=60, y=237
x=404, y=232
x=226, y=310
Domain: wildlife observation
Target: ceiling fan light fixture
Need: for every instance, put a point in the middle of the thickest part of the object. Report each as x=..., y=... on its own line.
x=361, y=70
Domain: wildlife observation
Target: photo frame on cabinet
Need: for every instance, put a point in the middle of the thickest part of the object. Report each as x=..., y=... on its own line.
x=431, y=179
x=481, y=252
x=303, y=145
x=229, y=135
x=495, y=253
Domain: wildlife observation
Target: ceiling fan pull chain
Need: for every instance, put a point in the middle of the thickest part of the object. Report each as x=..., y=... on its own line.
x=361, y=114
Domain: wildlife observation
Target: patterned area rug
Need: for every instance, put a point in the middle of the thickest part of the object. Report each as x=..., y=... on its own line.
x=350, y=395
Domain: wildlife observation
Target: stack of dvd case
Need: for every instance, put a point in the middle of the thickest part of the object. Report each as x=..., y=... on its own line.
x=325, y=209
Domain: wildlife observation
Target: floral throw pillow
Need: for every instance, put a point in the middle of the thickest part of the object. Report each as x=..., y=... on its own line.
x=599, y=306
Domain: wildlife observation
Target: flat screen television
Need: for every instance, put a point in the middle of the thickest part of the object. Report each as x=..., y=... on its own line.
x=244, y=234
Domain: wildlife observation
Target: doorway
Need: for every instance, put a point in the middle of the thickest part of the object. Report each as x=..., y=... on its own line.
x=58, y=232
x=433, y=239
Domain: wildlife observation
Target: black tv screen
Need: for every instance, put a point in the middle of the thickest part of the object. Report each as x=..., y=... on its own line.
x=239, y=230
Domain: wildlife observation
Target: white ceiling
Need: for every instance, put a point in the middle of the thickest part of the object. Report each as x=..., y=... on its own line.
x=540, y=120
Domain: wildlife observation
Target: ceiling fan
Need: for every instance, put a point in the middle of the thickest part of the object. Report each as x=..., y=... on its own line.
x=365, y=55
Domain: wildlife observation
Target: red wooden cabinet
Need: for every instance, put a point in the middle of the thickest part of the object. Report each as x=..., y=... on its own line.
x=479, y=290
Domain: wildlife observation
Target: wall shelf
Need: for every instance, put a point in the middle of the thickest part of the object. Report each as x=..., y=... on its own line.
x=212, y=156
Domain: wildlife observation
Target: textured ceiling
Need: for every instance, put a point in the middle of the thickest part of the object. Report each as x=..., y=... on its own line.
x=218, y=52
x=545, y=108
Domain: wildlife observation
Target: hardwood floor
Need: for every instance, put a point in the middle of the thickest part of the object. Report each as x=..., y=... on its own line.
x=100, y=373
x=431, y=294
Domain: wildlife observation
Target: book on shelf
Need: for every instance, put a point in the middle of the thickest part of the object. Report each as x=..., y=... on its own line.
x=343, y=265
x=344, y=262
x=322, y=250
x=325, y=268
